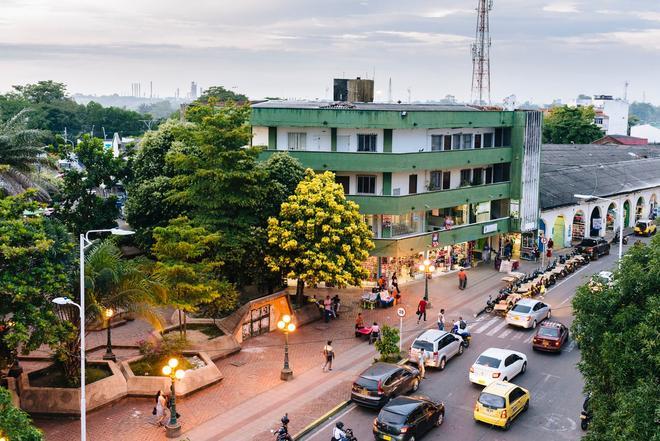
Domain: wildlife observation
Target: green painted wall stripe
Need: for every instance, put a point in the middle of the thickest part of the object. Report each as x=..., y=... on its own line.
x=387, y=140
x=399, y=162
x=384, y=119
x=387, y=183
x=272, y=138
x=434, y=199
x=333, y=139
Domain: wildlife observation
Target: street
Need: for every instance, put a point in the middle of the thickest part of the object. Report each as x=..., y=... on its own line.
x=553, y=380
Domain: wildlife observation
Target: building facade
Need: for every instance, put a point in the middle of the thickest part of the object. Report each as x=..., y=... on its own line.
x=437, y=181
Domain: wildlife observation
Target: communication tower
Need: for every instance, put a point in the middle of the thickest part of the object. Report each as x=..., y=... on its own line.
x=481, y=55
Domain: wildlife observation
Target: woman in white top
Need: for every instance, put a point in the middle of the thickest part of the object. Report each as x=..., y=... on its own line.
x=161, y=405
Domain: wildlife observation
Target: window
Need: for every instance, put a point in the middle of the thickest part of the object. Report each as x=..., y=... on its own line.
x=447, y=145
x=466, y=176
x=501, y=172
x=467, y=141
x=297, y=141
x=436, y=143
x=598, y=120
x=366, y=143
x=488, y=139
x=446, y=180
x=477, y=176
x=412, y=184
x=477, y=141
x=345, y=181
x=366, y=184
x=436, y=180
x=489, y=175
x=456, y=141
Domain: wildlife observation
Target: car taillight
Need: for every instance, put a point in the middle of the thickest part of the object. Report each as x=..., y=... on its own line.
x=435, y=355
x=380, y=388
x=503, y=414
x=496, y=375
x=557, y=343
x=404, y=429
x=537, y=340
x=471, y=369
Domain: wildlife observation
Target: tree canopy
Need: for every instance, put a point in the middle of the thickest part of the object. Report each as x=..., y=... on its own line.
x=220, y=94
x=570, y=125
x=15, y=424
x=618, y=327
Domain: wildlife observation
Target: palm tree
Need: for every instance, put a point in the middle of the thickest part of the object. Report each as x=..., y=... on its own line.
x=21, y=149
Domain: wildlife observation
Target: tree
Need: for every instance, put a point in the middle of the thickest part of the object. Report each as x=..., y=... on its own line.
x=37, y=262
x=632, y=121
x=570, y=125
x=188, y=266
x=81, y=202
x=14, y=423
x=44, y=92
x=388, y=344
x=319, y=236
x=618, y=328
x=221, y=95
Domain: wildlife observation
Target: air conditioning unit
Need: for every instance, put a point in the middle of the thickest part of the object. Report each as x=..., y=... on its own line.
x=396, y=192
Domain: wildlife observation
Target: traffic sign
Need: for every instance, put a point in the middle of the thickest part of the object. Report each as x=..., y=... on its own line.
x=401, y=312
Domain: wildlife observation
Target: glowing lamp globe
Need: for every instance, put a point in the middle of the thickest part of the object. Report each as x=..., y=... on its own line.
x=281, y=324
x=180, y=374
x=291, y=327
x=173, y=363
x=167, y=370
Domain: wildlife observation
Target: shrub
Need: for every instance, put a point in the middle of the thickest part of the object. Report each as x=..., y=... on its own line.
x=388, y=345
x=157, y=355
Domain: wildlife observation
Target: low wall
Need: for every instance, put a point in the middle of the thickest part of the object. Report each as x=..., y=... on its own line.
x=66, y=401
x=144, y=386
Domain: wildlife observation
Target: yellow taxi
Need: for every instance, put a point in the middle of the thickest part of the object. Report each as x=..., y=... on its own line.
x=500, y=402
x=645, y=227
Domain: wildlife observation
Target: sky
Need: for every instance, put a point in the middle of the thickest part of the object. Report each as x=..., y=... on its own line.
x=541, y=50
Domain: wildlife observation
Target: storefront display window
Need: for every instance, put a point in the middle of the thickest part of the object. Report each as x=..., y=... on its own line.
x=447, y=218
x=394, y=225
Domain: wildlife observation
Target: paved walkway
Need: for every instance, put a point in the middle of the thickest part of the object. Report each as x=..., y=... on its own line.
x=251, y=398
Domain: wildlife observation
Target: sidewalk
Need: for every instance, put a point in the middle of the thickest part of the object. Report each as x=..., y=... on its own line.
x=251, y=399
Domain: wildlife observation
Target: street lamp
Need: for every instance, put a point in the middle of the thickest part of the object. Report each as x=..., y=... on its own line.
x=108, y=313
x=427, y=268
x=84, y=244
x=286, y=326
x=173, y=428
x=619, y=209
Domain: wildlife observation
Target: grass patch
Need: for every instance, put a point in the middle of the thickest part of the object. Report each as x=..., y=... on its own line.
x=52, y=376
x=208, y=329
x=154, y=368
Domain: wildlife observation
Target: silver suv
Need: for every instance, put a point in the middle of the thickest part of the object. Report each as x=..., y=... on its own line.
x=438, y=346
x=528, y=313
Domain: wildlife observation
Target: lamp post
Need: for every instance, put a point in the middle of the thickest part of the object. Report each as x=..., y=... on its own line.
x=286, y=326
x=427, y=268
x=108, y=313
x=621, y=214
x=84, y=244
x=173, y=427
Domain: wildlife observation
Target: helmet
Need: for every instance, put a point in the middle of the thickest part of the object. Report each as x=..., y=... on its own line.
x=285, y=419
x=340, y=425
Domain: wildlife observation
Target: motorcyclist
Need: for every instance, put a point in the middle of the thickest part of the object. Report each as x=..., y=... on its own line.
x=338, y=433
x=283, y=432
x=460, y=328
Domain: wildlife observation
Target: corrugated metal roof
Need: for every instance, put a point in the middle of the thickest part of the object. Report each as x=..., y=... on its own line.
x=393, y=107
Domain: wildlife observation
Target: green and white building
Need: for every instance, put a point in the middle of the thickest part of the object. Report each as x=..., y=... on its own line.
x=430, y=180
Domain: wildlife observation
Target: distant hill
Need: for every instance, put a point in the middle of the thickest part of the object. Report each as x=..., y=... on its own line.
x=127, y=102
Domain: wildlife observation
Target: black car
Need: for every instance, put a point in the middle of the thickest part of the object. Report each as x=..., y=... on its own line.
x=408, y=418
x=383, y=381
x=594, y=247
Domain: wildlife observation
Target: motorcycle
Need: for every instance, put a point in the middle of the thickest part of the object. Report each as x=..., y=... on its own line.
x=467, y=337
x=585, y=414
x=282, y=433
x=349, y=436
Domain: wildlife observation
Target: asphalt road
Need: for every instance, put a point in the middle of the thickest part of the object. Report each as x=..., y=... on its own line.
x=553, y=380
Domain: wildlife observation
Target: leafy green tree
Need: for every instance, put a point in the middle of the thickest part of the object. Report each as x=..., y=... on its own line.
x=37, y=261
x=16, y=425
x=44, y=92
x=388, y=345
x=570, y=125
x=319, y=236
x=220, y=94
x=618, y=328
x=633, y=120
x=647, y=113
x=81, y=202
x=189, y=268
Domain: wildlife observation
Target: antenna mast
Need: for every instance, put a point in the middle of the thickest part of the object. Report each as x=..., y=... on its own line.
x=481, y=55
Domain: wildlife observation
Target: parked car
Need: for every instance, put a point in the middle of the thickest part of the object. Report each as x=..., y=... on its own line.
x=551, y=336
x=438, y=347
x=527, y=313
x=497, y=364
x=500, y=402
x=383, y=381
x=408, y=418
x=594, y=247
x=645, y=227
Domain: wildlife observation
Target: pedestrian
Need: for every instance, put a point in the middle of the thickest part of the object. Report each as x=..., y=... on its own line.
x=395, y=283
x=441, y=320
x=327, y=307
x=486, y=254
x=550, y=246
x=160, y=409
x=336, y=303
x=462, y=279
x=359, y=321
x=421, y=363
x=421, y=310
x=375, y=333
x=328, y=354
x=536, y=252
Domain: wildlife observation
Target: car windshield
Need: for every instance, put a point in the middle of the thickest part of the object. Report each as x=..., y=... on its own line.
x=423, y=345
x=549, y=332
x=491, y=401
x=488, y=361
x=641, y=225
x=367, y=383
x=391, y=418
x=588, y=242
x=521, y=309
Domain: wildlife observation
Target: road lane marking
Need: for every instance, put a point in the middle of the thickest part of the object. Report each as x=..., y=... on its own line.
x=332, y=420
x=517, y=336
x=486, y=326
x=565, y=300
x=496, y=328
x=529, y=339
x=571, y=346
x=505, y=333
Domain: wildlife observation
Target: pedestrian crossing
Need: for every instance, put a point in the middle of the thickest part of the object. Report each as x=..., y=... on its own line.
x=498, y=328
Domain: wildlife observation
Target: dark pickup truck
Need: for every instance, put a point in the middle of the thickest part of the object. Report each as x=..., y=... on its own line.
x=594, y=247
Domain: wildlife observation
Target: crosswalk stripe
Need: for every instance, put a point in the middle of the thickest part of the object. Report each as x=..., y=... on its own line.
x=486, y=326
x=497, y=328
x=529, y=339
x=505, y=333
x=517, y=336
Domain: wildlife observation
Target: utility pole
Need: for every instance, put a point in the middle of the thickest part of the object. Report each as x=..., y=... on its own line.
x=480, y=93
x=625, y=90
x=389, y=91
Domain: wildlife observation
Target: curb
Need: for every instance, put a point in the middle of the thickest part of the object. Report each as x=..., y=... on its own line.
x=314, y=424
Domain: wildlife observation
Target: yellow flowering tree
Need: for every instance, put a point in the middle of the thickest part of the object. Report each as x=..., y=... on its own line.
x=319, y=236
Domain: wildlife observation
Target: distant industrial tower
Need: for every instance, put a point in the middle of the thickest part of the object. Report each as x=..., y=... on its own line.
x=481, y=55
x=193, y=90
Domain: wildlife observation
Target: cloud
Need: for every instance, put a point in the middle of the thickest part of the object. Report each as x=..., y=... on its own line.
x=561, y=7
x=646, y=39
x=442, y=13
x=426, y=38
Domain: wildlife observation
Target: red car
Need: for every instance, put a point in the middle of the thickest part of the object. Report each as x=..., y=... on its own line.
x=550, y=336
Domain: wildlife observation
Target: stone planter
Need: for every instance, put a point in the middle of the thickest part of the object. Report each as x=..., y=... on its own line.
x=148, y=386
x=66, y=401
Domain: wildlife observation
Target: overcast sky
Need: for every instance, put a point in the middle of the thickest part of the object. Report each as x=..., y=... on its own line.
x=293, y=48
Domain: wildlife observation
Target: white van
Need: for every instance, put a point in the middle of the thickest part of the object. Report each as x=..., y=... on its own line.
x=438, y=346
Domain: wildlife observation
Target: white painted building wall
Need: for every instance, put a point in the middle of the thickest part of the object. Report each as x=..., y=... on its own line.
x=317, y=138
x=617, y=113
x=646, y=131
x=260, y=136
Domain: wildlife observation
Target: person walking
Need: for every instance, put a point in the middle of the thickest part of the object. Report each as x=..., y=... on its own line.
x=421, y=363
x=441, y=320
x=462, y=279
x=550, y=244
x=161, y=406
x=327, y=307
x=395, y=283
x=486, y=254
x=329, y=354
x=421, y=310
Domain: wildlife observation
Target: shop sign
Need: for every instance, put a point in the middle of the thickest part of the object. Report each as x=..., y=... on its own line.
x=434, y=239
x=492, y=228
x=597, y=223
x=529, y=226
